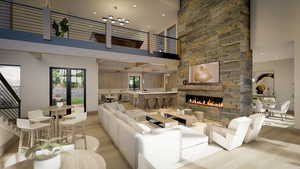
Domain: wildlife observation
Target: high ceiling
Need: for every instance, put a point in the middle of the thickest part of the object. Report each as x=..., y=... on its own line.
x=272, y=26
x=147, y=15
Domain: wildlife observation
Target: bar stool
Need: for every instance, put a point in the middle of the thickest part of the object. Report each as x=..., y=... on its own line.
x=160, y=102
x=146, y=104
x=32, y=130
x=156, y=103
x=170, y=101
x=164, y=102
x=152, y=102
x=75, y=128
x=135, y=100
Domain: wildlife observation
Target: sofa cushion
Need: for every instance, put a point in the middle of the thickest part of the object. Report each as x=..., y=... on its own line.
x=191, y=137
x=121, y=108
x=138, y=115
x=111, y=106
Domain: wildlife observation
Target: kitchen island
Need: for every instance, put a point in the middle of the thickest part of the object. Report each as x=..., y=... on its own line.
x=153, y=99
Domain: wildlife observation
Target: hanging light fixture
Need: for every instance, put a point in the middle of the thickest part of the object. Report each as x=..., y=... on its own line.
x=120, y=21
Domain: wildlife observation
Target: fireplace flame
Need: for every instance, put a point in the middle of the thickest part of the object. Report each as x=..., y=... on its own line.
x=206, y=103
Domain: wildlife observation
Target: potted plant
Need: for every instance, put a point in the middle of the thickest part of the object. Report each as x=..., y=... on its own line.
x=46, y=155
x=61, y=28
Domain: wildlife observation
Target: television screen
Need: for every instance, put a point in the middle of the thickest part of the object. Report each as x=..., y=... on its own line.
x=204, y=73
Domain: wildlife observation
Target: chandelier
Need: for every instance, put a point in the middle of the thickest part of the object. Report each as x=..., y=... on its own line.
x=121, y=21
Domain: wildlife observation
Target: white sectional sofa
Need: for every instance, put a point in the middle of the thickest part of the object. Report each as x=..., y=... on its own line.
x=143, y=147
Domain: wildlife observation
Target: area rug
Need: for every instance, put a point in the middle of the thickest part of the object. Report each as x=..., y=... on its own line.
x=276, y=121
x=196, y=153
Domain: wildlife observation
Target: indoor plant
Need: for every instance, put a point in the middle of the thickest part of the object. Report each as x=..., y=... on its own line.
x=46, y=155
x=61, y=28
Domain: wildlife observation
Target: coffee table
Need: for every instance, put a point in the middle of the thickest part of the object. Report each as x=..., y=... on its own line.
x=187, y=120
x=161, y=121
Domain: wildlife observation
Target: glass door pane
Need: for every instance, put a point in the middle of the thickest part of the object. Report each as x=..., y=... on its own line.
x=137, y=82
x=78, y=89
x=58, y=86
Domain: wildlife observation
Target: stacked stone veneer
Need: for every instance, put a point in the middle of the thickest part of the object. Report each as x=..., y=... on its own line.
x=217, y=30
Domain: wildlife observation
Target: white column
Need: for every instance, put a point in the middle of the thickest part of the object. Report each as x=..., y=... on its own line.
x=46, y=24
x=296, y=36
x=108, y=34
x=297, y=84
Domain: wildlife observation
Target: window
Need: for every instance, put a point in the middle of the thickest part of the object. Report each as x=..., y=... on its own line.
x=12, y=74
x=171, y=40
x=134, y=82
x=67, y=85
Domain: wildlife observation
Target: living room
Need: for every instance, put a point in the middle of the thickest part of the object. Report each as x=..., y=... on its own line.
x=219, y=93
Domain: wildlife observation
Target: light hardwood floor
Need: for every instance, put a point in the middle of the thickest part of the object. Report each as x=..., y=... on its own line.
x=277, y=148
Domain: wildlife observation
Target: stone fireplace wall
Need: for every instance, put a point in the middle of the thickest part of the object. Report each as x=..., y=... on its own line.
x=217, y=30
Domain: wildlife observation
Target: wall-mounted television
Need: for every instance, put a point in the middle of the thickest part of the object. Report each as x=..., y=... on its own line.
x=205, y=73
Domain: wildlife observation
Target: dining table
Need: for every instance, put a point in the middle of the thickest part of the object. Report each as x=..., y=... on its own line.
x=57, y=111
x=74, y=159
x=268, y=106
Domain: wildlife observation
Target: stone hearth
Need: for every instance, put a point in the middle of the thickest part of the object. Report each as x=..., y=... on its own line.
x=210, y=31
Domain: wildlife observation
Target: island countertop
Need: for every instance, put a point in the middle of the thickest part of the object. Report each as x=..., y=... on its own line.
x=149, y=93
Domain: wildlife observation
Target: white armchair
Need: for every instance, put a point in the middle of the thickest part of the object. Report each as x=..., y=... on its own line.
x=282, y=110
x=255, y=127
x=233, y=136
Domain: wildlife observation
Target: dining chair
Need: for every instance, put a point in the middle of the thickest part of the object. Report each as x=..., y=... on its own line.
x=282, y=109
x=38, y=116
x=32, y=130
x=74, y=128
x=259, y=107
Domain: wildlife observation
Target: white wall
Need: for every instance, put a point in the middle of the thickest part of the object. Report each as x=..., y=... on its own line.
x=5, y=137
x=274, y=26
x=284, y=78
x=119, y=80
x=35, y=76
x=296, y=35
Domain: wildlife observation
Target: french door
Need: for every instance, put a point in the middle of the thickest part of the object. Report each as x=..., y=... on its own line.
x=68, y=85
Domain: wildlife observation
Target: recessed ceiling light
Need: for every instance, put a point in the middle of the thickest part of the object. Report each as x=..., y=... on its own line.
x=134, y=6
x=163, y=14
x=94, y=12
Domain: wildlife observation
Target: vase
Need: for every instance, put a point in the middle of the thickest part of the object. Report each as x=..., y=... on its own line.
x=52, y=163
x=59, y=104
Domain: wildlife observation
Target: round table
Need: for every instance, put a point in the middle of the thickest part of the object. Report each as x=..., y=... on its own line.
x=77, y=159
x=58, y=111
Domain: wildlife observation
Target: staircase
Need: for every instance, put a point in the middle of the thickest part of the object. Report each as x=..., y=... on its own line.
x=10, y=106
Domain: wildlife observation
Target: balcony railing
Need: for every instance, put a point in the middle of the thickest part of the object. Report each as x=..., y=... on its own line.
x=27, y=18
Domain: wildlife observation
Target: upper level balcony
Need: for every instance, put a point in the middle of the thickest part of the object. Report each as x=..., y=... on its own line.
x=42, y=25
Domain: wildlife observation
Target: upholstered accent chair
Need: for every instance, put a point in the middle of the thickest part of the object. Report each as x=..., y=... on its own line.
x=233, y=136
x=255, y=126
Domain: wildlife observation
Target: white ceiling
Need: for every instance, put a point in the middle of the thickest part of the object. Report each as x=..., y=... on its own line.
x=147, y=15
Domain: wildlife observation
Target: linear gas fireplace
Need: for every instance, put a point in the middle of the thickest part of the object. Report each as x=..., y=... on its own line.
x=205, y=100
